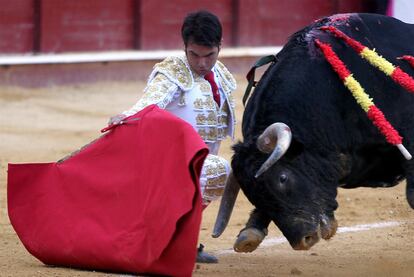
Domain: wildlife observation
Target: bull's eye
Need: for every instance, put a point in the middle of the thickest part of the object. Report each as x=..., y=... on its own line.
x=283, y=178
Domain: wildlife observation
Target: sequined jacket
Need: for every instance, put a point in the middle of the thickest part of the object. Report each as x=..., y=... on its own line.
x=173, y=86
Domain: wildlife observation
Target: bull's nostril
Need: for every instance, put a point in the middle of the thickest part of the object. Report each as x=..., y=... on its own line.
x=308, y=240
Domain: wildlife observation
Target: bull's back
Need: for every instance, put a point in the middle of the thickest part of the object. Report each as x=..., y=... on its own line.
x=303, y=78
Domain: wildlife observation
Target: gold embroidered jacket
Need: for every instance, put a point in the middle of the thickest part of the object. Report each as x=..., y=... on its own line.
x=173, y=86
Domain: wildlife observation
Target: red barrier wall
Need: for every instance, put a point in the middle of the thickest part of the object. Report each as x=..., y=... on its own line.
x=90, y=25
x=86, y=25
x=161, y=21
x=16, y=26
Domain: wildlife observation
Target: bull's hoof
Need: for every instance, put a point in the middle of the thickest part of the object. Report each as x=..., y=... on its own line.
x=249, y=239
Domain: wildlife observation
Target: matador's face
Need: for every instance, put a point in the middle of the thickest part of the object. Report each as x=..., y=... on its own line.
x=201, y=58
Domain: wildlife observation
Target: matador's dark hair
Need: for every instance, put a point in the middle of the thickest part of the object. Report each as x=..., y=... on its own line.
x=203, y=28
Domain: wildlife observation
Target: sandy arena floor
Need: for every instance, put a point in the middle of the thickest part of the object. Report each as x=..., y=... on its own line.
x=39, y=125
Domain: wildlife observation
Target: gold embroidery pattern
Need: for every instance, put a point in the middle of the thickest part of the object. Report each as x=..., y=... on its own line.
x=209, y=119
x=208, y=134
x=214, y=182
x=213, y=193
x=222, y=118
x=158, y=91
x=214, y=166
x=205, y=87
x=214, y=176
x=207, y=104
x=221, y=133
x=212, y=126
x=176, y=69
x=229, y=81
x=230, y=101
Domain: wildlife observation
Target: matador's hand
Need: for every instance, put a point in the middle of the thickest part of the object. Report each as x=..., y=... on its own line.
x=114, y=120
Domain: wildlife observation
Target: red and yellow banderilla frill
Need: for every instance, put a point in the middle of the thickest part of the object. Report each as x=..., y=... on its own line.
x=363, y=99
x=408, y=58
x=396, y=73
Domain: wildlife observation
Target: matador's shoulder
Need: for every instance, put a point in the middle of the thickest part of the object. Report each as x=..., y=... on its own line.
x=226, y=76
x=176, y=70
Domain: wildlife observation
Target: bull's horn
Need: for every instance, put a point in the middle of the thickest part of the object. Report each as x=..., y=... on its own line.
x=276, y=139
x=226, y=205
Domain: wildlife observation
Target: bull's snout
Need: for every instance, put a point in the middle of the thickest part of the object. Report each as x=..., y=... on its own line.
x=326, y=230
x=307, y=241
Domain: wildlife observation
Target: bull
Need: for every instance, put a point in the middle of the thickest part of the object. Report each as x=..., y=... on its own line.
x=304, y=135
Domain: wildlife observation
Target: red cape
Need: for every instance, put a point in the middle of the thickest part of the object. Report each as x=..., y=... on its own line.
x=128, y=202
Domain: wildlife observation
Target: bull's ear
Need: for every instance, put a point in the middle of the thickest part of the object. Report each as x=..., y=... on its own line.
x=295, y=149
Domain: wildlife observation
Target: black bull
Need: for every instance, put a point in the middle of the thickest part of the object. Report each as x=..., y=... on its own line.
x=334, y=143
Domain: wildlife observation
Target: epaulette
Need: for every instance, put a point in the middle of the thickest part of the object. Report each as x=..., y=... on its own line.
x=228, y=81
x=176, y=70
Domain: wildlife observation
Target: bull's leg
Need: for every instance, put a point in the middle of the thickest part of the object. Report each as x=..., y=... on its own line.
x=410, y=183
x=253, y=234
x=409, y=167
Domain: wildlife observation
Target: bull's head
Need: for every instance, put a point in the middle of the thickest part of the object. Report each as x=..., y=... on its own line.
x=290, y=187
